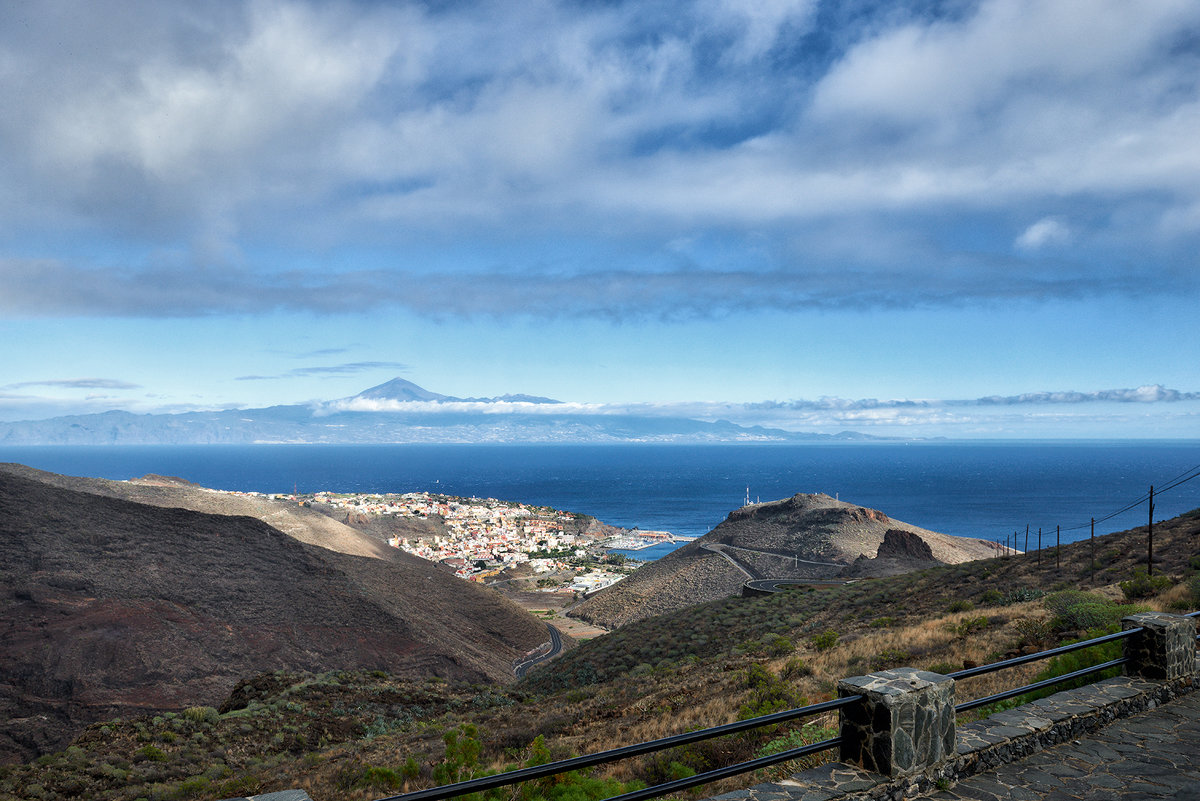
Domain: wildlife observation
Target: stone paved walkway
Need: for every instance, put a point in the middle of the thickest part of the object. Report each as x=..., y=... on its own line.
x=1154, y=754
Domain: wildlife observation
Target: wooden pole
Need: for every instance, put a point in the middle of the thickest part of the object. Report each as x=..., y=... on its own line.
x=1150, y=537
x=1093, y=550
x=1026, y=538
x=1039, y=546
x=1057, y=544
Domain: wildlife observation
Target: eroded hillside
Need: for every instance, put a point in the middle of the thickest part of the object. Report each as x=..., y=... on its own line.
x=113, y=607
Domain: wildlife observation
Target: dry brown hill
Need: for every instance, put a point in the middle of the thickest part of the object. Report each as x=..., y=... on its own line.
x=301, y=523
x=805, y=536
x=111, y=607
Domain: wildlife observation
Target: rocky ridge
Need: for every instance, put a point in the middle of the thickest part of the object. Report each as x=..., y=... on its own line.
x=803, y=537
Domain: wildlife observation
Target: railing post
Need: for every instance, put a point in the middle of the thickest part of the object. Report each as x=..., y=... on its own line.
x=1164, y=650
x=905, y=723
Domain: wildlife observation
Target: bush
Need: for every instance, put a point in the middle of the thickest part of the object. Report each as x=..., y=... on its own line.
x=152, y=753
x=968, y=625
x=890, y=658
x=1074, y=610
x=825, y=640
x=794, y=669
x=961, y=606
x=780, y=646
x=991, y=597
x=1033, y=631
x=1022, y=594
x=201, y=714
x=1143, y=585
x=883, y=622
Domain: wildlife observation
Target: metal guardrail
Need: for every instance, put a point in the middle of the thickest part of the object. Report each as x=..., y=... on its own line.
x=613, y=755
x=651, y=746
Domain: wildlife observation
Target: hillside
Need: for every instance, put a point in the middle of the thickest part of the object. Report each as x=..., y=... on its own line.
x=802, y=537
x=301, y=523
x=113, y=607
x=360, y=736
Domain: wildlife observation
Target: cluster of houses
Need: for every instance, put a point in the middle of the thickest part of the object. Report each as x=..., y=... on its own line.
x=484, y=536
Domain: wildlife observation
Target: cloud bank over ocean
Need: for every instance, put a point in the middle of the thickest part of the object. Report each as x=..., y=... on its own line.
x=626, y=202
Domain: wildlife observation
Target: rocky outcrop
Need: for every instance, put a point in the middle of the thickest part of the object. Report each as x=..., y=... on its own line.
x=900, y=544
x=813, y=537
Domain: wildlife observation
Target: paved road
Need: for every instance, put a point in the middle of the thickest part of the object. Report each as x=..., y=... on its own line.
x=1154, y=754
x=555, y=649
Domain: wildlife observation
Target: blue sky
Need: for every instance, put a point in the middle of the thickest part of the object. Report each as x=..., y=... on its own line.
x=967, y=219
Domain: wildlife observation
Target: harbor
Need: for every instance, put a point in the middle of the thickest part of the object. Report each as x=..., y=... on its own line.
x=641, y=540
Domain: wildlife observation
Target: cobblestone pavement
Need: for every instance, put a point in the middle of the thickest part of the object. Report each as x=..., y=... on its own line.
x=1154, y=754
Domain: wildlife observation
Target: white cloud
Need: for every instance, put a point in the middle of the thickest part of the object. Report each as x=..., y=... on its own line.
x=289, y=128
x=1047, y=231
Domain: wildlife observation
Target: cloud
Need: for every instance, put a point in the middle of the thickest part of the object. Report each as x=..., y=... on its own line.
x=203, y=153
x=1155, y=393
x=1047, y=231
x=77, y=383
x=53, y=289
x=350, y=368
x=844, y=409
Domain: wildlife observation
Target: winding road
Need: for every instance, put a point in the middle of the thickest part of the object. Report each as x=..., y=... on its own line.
x=522, y=667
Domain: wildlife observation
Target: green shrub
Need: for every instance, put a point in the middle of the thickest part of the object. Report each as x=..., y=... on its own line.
x=968, y=625
x=1034, y=631
x=1075, y=609
x=152, y=753
x=1022, y=594
x=961, y=605
x=890, y=658
x=883, y=622
x=806, y=735
x=794, y=669
x=201, y=714
x=942, y=667
x=825, y=640
x=768, y=693
x=991, y=597
x=780, y=646
x=381, y=777
x=1143, y=585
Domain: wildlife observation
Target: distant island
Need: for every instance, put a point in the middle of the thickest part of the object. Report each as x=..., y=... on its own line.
x=399, y=412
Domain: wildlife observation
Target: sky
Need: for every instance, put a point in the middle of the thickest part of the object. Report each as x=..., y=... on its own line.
x=962, y=219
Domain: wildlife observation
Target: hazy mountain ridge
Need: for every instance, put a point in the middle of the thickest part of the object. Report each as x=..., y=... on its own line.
x=361, y=419
x=113, y=606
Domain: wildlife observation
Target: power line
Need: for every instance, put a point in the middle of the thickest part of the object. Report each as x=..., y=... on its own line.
x=1182, y=478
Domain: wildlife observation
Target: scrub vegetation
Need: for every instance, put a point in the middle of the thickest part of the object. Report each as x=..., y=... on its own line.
x=365, y=735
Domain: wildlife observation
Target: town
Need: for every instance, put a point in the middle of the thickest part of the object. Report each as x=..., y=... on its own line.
x=479, y=539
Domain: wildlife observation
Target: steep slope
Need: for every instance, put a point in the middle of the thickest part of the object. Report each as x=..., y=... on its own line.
x=805, y=536
x=301, y=523
x=110, y=606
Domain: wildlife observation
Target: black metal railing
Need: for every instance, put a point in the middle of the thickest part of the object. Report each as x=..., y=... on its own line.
x=649, y=747
x=616, y=754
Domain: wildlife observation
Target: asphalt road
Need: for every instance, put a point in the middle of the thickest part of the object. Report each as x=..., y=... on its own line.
x=555, y=649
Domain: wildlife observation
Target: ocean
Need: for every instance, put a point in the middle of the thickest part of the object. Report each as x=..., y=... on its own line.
x=977, y=489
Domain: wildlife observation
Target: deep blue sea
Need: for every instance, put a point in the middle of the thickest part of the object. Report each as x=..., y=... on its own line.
x=978, y=489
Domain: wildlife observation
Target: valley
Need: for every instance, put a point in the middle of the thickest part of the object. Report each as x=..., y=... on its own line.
x=362, y=731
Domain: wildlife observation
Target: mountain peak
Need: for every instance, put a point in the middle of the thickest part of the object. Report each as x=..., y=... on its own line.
x=400, y=389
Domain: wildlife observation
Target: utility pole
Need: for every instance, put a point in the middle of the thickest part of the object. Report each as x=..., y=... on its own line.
x=1057, y=543
x=1093, y=550
x=1039, y=546
x=1026, y=538
x=1150, y=537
